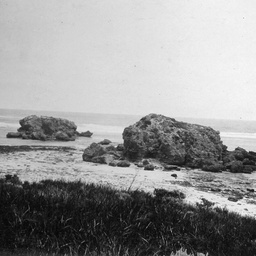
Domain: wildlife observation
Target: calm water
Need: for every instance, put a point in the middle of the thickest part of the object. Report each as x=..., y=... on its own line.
x=234, y=133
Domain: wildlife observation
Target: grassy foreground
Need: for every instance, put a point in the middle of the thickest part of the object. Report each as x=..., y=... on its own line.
x=74, y=218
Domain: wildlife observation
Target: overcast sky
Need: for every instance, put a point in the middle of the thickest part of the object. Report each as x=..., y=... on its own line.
x=186, y=58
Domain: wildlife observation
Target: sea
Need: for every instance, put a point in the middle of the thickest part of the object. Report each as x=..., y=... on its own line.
x=234, y=133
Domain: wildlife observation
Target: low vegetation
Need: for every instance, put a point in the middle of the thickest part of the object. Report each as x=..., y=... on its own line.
x=73, y=218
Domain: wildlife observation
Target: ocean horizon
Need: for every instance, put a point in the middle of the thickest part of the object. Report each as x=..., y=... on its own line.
x=234, y=133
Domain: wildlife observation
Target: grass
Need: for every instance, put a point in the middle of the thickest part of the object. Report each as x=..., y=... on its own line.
x=74, y=218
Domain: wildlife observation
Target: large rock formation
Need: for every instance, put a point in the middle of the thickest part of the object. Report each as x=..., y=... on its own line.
x=173, y=142
x=46, y=128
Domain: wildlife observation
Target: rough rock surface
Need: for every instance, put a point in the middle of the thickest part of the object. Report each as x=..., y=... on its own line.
x=94, y=150
x=239, y=160
x=172, y=142
x=14, y=135
x=85, y=134
x=123, y=163
x=120, y=147
x=149, y=167
x=64, y=136
x=47, y=128
x=105, y=142
x=101, y=154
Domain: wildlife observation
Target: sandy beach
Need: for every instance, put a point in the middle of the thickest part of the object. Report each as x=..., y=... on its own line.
x=235, y=192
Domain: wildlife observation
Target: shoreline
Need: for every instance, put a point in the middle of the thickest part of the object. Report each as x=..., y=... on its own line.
x=10, y=148
x=36, y=163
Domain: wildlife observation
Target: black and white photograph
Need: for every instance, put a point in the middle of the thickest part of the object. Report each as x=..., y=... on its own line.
x=127, y=128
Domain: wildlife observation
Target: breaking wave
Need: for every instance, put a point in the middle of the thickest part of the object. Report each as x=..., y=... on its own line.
x=238, y=135
x=95, y=128
x=8, y=125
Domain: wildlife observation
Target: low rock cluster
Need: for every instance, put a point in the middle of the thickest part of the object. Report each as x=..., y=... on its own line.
x=240, y=160
x=87, y=134
x=104, y=153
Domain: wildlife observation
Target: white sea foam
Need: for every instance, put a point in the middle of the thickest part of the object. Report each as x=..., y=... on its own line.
x=8, y=117
x=95, y=128
x=238, y=135
x=8, y=125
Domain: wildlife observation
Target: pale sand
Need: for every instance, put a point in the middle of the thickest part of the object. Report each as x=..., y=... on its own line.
x=195, y=184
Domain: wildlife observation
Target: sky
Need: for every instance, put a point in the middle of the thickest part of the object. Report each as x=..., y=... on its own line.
x=185, y=58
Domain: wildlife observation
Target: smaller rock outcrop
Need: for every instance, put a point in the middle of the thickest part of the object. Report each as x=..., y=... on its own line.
x=45, y=128
x=94, y=150
x=169, y=167
x=149, y=167
x=14, y=135
x=87, y=134
x=102, y=154
x=105, y=142
x=123, y=163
